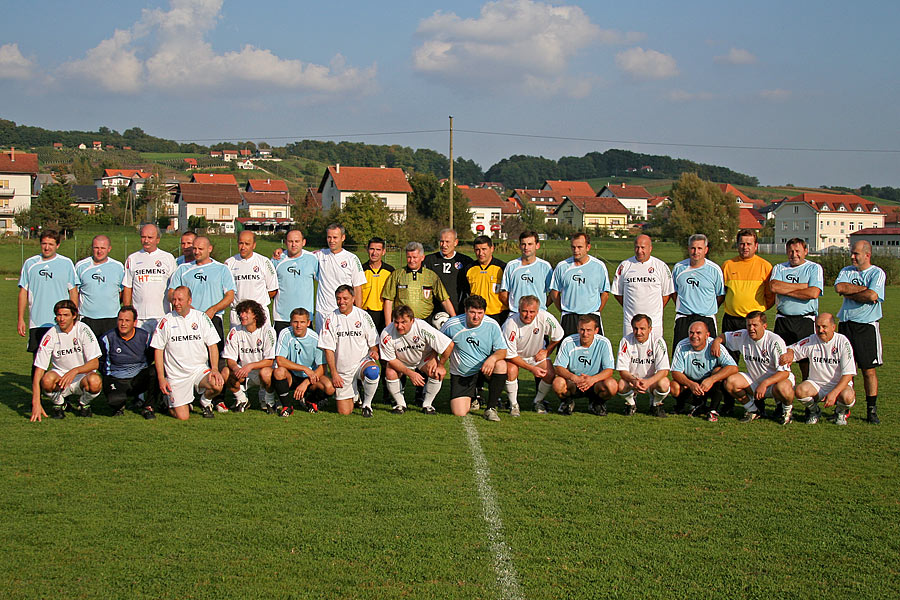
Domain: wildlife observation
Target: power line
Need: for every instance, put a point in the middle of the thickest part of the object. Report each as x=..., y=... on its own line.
x=311, y=137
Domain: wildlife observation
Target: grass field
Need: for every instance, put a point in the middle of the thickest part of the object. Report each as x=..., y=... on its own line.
x=254, y=506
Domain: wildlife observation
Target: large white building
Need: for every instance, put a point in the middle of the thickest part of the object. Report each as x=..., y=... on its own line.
x=632, y=197
x=18, y=171
x=389, y=184
x=825, y=221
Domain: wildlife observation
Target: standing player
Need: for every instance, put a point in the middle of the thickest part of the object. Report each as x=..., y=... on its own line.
x=146, y=280
x=862, y=286
x=584, y=368
x=698, y=375
x=71, y=349
x=413, y=348
x=99, y=281
x=643, y=366
x=526, y=332
x=297, y=272
x=580, y=285
x=746, y=283
x=485, y=277
x=377, y=273
x=350, y=342
x=249, y=353
x=527, y=275
x=831, y=371
x=416, y=287
x=300, y=367
x=253, y=274
x=187, y=248
x=126, y=364
x=699, y=289
x=643, y=284
x=336, y=267
x=451, y=267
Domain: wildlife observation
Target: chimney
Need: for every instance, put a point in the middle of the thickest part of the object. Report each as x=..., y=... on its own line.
x=382, y=166
x=337, y=167
x=268, y=180
x=12, y=154
x=623, y=185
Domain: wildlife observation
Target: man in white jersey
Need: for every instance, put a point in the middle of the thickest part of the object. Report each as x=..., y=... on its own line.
x=831, y=371
x=336, y=267
x=765, y=377
x=413, y=348
x=643, y=284
x=187, y=357
x=254, y=276
x=249, y=352
x=643, y=366
x=146, y=280
x=699, y=289
x=350, y=342
x=526, y=332
x=73, y=352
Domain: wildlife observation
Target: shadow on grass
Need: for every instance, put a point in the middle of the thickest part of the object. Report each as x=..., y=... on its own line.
x=16, y=392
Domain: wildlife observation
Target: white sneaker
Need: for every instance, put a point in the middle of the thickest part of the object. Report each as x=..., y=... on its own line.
x=514, y=410
x=815, y=413
x=840, y=418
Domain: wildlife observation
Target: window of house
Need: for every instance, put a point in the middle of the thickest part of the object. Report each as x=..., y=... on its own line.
x=4, y=183
x=796, y=226
x=796, y=210
x=260, y=214
x=784, y=226
x=4, y=202
x=851, y=225
x=200, y=211
x=224, y=213
x=805, y=225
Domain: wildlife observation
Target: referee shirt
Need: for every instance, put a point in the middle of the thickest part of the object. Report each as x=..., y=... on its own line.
x=416, y=289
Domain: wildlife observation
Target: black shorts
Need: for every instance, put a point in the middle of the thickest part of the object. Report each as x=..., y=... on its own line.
x=118, y=391
x=793, y=328
x=463, y=386
x=34, y=337
x=569, y=324
x=733, y=323
x=220, y=329
x=683, y=324
x=378, y=319
x=100, y=326
x=865, y=338
x=279, y=325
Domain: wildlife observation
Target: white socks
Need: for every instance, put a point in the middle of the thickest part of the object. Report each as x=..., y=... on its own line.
x=628, y=397
x=396, y=391
x=542, y=389
x=432, y=387
x=512, y=392
x=369, y=388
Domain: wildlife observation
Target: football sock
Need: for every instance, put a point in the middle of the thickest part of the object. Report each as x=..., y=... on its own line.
x=495, y=388
x=87, y=397
x=750, y=406
x=240, y=397
x=806, y=402
x=542, y=389
x=788, y=409
x=370, y=386
x=283, y=389
x=396, y=391
x=432, y=387
x=659, y=397
x=871, y=401
x=628, y=397
x=512, y=392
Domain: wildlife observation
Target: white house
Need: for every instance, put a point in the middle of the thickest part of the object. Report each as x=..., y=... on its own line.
x=390, y=184
x=261, y=205
x=825, y=221
x=18, y=171
x=632, y=197
x=114, y=179
x=218, y=203
x=546, y=201
x=488, y=210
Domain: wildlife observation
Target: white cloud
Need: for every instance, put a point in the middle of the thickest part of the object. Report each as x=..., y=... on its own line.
x=646, y=64
x=13, y=65
x=736, y=56
x=167, y=49
x=776, y=95
x=685, y=96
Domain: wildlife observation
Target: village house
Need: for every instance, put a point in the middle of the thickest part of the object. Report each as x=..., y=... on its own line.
x=18, y=171
x=115, y=179
x=568, y=188
x=593, y=212
x=89, y=199
x=218, y=203
x=884, y=240
x=488, y=210
x=390, y=184
x=216, y=178
x=632, y=197
x=825, y=221
x=544, y=200
x=267, y=186
x=229, y=155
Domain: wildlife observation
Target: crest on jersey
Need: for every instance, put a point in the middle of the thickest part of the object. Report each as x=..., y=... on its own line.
x=195, y=326
x=258, y=343
x=649, y=351
x=343, y=264
x=426, y=293
x=118, y=349
x=834, y=350
x=512, y=336
x=536, y=330
x=159, y=263
x=650, y=270
x=458, y=265
x=256, y=269
x=75, y=342
x=624, y=347
x=764, y=352
x=358, y=324
x=415, y=339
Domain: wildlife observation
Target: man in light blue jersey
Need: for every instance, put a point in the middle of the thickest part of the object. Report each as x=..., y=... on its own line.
x=698, y=375
x=862, y=286
x=584, y=367
x=478, y=347
x=99, y=281
x=580, y=285
x=187, y=248
x=699, y=289
x=297, y=271
x=527, y=275
x=797, y=285
x=46, y=279
x=300, y=367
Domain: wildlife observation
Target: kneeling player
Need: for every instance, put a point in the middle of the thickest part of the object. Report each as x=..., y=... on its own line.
x=697, y=374
x=584, y=367
x=249, y=352
x=525, y=332
x=300, y=368
x=413, y=348
x=831, y=371
x=643, y=366
x=126, y=364
x=72, y=350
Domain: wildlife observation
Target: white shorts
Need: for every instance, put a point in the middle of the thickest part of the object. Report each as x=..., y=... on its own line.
x=823, y=389
x=252, y=379
x=770, y=393
x=351, y=379
x=74, y=388
x=319, y=320
x=183, y=390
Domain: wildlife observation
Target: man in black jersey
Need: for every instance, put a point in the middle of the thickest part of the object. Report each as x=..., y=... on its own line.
x=451, y=268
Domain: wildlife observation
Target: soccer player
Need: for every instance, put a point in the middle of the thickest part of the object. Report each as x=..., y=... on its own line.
x=831, y=371
x=764, y=378
x=643, y=366
x=300, y=367
x=253, y=274
x=297, y=272
x=46, y=279
x=526, y=332
x=699, y=289
x=698, y=375
x=527, y=275
x=451, y=267
x=797, y=285
x=99, y=281
x=413, y=348
x=249, y=353
x=862, y=286
x=643, y=284
x=71, y=349
x=584, y=368
x=146, y=279
x=377, y=273
x=416, y=287
x=336, y=267
x=580, y=285
x=187, y=248
x=746, y=283
x=478, y=348
x=186, y=352
x=485, y=277
x=126, y=364
x=350, y=342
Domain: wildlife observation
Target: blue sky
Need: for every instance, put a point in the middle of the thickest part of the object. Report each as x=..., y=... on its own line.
x=800, y=75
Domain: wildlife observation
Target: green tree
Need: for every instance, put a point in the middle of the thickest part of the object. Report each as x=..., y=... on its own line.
x=52, y=209
x=462, y=217
x=699, y=206
x=364, y=216
x=152, y=197
x=532, y=218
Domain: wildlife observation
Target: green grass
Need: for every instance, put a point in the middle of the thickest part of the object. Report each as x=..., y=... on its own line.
x=252, y=506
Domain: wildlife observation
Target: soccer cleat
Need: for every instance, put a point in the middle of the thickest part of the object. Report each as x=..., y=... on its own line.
x=269, y=409
x=712, y=417
x=491, y=415
x=658, y=411
x=240, y=407
x=785, y=418
x=696, y=411
x=630, y=409
x=367, y=412
x=148, y=413
x=357, y=402
x=286, y=411
x=814, y=413
x=398, y=409
x=119, y=411
x=872, y=416
x=59, y=412
x=566, y=407
x=514, y=411
x=429, y=410
x=600, y=409
x=84, y=411
x=750, y=415
x=475, y=405
x=312, y=407
x=221, y=407
x=208, y=412
x=541, y=407
x=840, y=418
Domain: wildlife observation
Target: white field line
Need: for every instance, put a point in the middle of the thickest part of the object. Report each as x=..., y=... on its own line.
x=503, y=566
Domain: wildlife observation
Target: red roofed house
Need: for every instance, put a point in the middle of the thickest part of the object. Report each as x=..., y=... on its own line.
x=269, y=186
x=229, y=155
x=750, y=218
x=262, y=205
x=593, y=212
x=218, y=203
x=544, y=200
x=57, y=145
x=569, y=188
x=744, y=201
x=884, y=240
x=632, y=197
x=191, y=163
x=98, y=145
x=245, y=153
x=488, y=210
x=18, y=171
x=825, y=221
x=891, y=214
x=113, y=179
x=215, y=154
x=217, y=178
x=390, y=184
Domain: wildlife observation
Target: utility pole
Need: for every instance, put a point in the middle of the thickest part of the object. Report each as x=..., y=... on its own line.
x=451, y=172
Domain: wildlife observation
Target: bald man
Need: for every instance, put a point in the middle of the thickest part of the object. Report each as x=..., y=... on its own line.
x=253, y=274
x=99, y=281
x=146, y=280
x=643, y=285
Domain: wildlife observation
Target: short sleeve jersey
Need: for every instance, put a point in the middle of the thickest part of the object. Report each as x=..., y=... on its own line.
x=47, y=282
x=472, y=345
x=760, y=356
x=697, y=365
x=184, y=342
x=410, y=349
x=416, y=289
x=527, y=340
x=862, y=312
x=300, y=350
x=698, y=288
x=580, y=286
x=98, y=287
x=642, y=286
x=245, y=347
x=374, y=285
x=123, y=358
x=335, y=270
x=582, y=360
x=642, y=359
x=526, y=280
x=745, y=285
x=296, y=285
x=828, y=361
x=349, y=337
x=208, y=283
x=147, y=274
x=452, y=273
x=254, y=278
x=485, y=282
x=66, y=351
x=807, y=272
